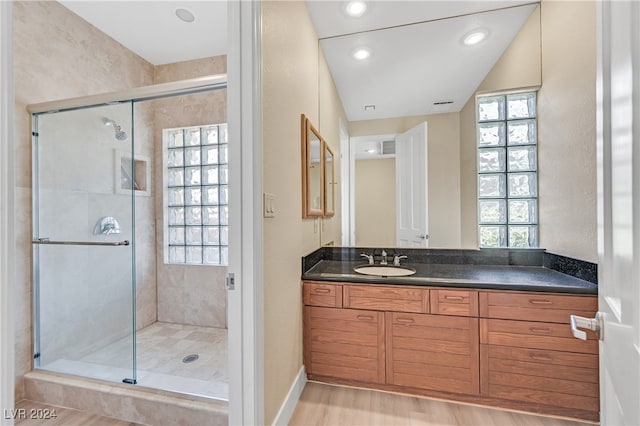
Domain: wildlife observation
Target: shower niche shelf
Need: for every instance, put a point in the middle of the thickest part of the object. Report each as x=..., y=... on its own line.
x=132, y=173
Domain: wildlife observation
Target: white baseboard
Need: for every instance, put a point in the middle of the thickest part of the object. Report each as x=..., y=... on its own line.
x=291, y=400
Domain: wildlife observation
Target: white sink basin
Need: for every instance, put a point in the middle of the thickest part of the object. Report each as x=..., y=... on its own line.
x=384, y=270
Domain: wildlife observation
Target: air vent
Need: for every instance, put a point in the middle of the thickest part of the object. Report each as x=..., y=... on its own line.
x=388, y=147
x=443, y=103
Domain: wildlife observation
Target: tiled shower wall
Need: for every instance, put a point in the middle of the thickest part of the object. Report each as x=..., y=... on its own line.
x=193, y=295
x=57, y=55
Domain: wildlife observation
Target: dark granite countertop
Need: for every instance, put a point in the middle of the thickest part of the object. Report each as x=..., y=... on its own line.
x=502, y=277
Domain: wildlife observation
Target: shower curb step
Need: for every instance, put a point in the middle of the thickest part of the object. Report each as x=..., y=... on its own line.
x=124, y=402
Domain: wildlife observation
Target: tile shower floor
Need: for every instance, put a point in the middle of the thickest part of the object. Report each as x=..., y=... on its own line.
x=161, y=348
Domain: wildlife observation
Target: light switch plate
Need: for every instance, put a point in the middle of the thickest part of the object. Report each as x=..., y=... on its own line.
x=268, y=205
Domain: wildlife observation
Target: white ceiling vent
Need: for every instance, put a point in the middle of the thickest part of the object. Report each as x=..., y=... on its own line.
x=388, y=147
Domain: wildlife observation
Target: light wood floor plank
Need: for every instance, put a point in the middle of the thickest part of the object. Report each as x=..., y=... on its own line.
x=327, y=405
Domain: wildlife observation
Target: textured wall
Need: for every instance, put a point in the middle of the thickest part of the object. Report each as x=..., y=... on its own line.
x=187, y=294
x=567, y=130
x=289, y=88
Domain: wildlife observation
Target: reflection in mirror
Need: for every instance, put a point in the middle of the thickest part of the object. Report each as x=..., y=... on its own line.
x=312, y=173
x=398, y=87
x=329, y=182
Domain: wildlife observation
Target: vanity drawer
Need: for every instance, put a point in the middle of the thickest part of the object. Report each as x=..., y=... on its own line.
x=454, y=302
x=322, y=294
x=562, y=379
x=386, y=298
x=535, y=335
x=536, y=306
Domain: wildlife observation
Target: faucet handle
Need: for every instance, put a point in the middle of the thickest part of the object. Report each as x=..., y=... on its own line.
x=396, y=259
x=368, y=256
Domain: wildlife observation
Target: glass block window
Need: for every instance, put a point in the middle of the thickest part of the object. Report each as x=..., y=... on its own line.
x=507, y=171
x=197, y=195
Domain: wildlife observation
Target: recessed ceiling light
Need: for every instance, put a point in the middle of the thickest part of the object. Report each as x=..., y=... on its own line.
x=361, y=53
x=355, y=8
x=185, y=15
x=372, y=151
x=475, y=37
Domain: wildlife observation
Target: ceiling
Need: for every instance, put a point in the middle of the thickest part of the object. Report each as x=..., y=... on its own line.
x=417, y=57
x=152, y=30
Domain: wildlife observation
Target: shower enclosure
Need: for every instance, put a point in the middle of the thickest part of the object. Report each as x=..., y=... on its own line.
x=106, y=288
x=83, y=242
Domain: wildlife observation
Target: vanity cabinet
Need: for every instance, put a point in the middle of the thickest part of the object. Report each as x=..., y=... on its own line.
x=414, y=348
x=528, y=353
x=509, y=349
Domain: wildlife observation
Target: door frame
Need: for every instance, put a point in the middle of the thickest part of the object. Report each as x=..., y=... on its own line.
x=244, y=304
x=7, y=237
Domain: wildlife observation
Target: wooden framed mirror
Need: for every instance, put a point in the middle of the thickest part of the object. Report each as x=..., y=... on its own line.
x=329, y=181
x=312, y=170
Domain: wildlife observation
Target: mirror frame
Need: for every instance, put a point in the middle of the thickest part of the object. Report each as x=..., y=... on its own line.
x=307, y=208
x=329, y=181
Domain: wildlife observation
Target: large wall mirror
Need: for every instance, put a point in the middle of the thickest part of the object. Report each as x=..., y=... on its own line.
x=312, y=170
x=396, y=87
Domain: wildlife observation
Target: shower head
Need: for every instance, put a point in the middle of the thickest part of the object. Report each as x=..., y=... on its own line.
x=120, y=134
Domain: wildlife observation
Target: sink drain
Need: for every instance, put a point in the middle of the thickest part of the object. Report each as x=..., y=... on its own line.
x=190, y=358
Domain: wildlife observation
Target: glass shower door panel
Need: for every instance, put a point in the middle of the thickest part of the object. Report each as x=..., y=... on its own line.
x=83, y=243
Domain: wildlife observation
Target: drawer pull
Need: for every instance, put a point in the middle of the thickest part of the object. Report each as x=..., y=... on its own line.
x=365, y=317
x=321, y=290
x=453, y=298
x=540, y=358
x=405, y=320
x=540, y=330
x=540, y=301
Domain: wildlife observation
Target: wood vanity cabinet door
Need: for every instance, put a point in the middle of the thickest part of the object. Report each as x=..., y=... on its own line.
x=386, y=298
x=454, y=302
x=344, y=343
x=567, y=380
x=322, y=294
x=433, y=352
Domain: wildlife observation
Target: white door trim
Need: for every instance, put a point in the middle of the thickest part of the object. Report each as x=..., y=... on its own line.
x=245, y=310
x=7, y=238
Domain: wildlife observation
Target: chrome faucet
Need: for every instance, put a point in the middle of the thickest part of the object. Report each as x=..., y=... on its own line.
x=396, y=259
x=383, y=260
x=369, y=257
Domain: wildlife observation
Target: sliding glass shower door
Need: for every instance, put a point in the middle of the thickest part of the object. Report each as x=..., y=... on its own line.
x=83, y=239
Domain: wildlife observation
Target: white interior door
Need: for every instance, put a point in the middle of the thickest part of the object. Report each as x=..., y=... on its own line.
x=411, y=188
x=619, y=210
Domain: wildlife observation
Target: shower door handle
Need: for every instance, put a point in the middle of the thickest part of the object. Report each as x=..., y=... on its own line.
x=80, y=243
